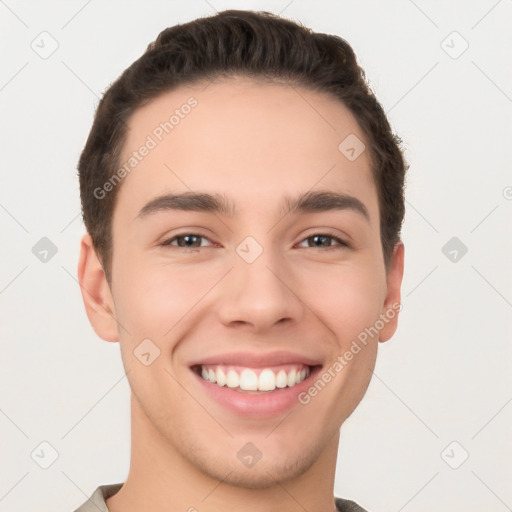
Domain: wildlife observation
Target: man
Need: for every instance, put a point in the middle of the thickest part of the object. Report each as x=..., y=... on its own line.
x=243, y=197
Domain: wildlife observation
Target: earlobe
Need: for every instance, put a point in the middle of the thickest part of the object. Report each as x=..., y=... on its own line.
x=96, y=294
x=392, y=305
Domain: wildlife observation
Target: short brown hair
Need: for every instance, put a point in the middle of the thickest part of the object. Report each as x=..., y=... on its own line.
x=253, y=44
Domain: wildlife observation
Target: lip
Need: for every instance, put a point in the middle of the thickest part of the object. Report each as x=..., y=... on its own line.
x=255, y=360
x=256, y=406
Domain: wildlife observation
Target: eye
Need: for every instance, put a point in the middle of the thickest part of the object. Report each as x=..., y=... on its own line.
x=322, y=240
x=194, y=241
x=186, y=241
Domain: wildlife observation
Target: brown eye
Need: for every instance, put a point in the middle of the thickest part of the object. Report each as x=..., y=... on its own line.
x=186, y=241
x=322, y=240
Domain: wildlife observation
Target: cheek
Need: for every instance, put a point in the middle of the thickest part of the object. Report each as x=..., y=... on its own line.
x=153, y=300
x=347, y=298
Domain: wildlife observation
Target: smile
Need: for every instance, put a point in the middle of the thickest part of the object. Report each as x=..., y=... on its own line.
x=254, y=379
x=255, y=385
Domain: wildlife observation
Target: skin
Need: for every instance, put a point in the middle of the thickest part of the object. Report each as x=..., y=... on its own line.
x=255, y=143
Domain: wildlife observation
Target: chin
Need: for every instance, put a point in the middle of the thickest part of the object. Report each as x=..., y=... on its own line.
x=267, y=472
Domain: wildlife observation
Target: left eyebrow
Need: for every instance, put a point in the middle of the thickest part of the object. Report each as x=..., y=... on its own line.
x=324, y=200
x=308, y=202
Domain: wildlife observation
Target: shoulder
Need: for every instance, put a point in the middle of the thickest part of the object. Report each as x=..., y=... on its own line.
x=96, y=503
x=348, y=506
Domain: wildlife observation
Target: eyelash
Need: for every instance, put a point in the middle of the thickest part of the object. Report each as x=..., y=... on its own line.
x=341, y=243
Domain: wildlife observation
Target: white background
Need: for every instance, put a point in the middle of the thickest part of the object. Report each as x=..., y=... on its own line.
x=444, y=377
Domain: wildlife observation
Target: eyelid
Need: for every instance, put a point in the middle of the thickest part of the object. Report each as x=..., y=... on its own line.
x=341, y=242
x=167, y=241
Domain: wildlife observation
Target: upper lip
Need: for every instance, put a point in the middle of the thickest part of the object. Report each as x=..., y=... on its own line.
x=255, y=360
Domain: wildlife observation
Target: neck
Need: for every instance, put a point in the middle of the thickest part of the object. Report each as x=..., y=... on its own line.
x=162, y=480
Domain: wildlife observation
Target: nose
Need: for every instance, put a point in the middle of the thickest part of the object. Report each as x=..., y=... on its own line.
x=260, y=294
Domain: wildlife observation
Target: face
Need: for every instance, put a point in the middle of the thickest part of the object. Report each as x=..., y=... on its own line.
x=237, y=310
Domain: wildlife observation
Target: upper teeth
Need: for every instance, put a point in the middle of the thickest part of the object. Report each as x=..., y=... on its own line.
x=249, y=380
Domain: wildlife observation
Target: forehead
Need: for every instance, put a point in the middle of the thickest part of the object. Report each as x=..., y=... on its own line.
x=253, y=141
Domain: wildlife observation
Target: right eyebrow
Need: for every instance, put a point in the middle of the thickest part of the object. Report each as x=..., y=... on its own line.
x=189, y=201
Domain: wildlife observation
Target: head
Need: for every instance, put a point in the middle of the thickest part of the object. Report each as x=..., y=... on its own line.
x=270, y=141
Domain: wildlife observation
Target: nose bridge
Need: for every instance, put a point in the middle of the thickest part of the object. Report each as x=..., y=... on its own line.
x=259, y=291
x=265, y=275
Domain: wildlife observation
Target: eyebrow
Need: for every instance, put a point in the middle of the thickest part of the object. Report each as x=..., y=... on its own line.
x=308, y=202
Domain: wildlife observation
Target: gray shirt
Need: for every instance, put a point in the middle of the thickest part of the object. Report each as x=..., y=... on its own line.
x=96, y=503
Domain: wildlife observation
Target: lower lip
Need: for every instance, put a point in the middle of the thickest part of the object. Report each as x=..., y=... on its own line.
x=263, y=405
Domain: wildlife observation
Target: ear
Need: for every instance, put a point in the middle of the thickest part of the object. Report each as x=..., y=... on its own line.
x=392, y=305
x=96, y=294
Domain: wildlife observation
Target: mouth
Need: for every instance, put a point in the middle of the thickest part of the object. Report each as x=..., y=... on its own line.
x=255, y=387
x=254, y=380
